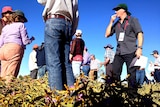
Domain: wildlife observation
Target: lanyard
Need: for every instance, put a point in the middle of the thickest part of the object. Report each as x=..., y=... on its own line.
x=126, y=24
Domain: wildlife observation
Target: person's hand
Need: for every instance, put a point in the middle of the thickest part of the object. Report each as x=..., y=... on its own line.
x=32, y=38
x=138, y=52
x=113, y=17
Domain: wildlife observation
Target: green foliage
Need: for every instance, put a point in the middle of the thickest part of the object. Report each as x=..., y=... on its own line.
x=27, y=92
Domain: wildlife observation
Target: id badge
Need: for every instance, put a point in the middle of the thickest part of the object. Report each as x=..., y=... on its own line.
x=121, y=36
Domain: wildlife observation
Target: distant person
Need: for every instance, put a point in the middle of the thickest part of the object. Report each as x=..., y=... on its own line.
x=41, y=61
x=61, y=18
x=33, y=62
x=94, y=67
x=76, y=53
x=13, y=41
x=86, y=61
x=108, y=61
x=156, y=72
x=140, y=73
x=129, y=36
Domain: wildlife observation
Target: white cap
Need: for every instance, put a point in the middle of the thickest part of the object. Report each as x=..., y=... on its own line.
x=78, y=32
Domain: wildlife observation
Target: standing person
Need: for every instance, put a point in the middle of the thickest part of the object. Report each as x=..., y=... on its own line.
x=94, y=67
x=61, y=17
x=86, y=61
x=13, y=41
x=76, y=53
x=33, y=62
x=128, y=31
x=141, y=64
x=6, y=12
x=156, y=72
x=109, y=57
x=41, y=61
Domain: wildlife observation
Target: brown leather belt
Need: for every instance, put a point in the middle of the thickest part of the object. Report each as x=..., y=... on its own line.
x=58, y=16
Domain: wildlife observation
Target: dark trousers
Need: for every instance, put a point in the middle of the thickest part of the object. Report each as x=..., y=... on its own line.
x=109, y=72
x=157, y=75
x=117, y=68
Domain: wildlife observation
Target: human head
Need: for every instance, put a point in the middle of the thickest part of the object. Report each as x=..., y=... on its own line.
x=92, y=57
x=122, y=6
x=6, y=10
x=35, y=46
x=108, y=46
x=21, y=17
x=78, y=33
x=154, y=52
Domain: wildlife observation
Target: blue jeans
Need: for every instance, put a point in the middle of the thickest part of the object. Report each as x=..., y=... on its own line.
x=86, y=69
x=41, y=71
x=140, y=75
x=57, y=47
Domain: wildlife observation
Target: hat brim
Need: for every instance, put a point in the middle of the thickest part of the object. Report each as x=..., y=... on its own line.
x=151, y=53
x=25, y=20
x=117, y=8
x=108, y=47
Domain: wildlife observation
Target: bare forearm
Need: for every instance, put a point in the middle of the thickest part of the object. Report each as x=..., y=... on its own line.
x=140, y=39
x=108, y=30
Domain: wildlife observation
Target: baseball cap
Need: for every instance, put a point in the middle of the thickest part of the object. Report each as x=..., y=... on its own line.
x=154, y=52
x=78, y=32
x=109, y=46
x=122, y=6
x=7, y=9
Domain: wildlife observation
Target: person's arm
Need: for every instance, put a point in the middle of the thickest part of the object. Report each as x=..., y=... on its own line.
x=72, y=49
x=75, y=19
x=140, y=44
x=24, y=35
x=108, y=30
x=106, y=61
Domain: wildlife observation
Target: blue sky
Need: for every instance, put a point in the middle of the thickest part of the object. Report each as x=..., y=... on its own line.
x=94, y=18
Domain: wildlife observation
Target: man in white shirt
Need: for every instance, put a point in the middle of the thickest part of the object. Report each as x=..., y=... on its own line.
x=94, y=66
x=33, y=62
x=156, y=63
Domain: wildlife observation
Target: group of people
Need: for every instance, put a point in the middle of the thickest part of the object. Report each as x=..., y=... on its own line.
x=13, y=41
x=37, y=62
x=65, y=57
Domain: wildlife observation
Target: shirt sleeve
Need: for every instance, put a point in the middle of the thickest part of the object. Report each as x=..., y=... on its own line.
x=136, y=26
x=24, y=35
x=43, y=2
x=73, y=47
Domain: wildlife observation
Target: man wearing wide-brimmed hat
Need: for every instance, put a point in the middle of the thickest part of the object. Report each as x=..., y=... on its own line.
x=108, y=60
x=129, y=36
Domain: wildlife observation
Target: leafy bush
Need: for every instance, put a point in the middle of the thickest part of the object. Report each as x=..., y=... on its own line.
x=27, y=92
